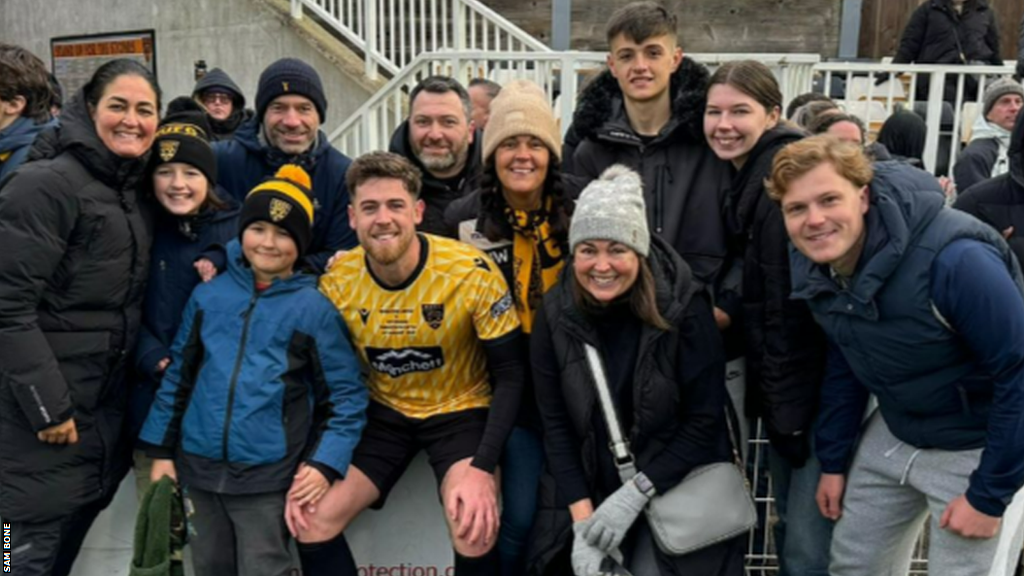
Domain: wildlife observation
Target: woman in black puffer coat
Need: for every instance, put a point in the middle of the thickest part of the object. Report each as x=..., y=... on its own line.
x=76, y=246
x=782, y=344
x=631, y=296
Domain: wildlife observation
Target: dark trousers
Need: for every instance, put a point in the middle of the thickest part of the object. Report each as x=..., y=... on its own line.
x=240, y=534
x=50, y=548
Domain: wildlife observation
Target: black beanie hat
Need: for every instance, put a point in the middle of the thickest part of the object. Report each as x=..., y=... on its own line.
x=184, y=136
x=283, y=200
x=290, y=76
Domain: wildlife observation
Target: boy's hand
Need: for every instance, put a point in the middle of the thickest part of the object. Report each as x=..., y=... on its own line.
x=207, y=271
x=308, y=487
x=161, y=468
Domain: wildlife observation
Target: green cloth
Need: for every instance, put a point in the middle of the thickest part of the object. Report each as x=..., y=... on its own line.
x=159, y=532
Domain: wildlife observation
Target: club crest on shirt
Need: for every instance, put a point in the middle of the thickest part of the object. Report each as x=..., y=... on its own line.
x=364, y=315
x=433, y=314
x=279, y=209
x=168, y=148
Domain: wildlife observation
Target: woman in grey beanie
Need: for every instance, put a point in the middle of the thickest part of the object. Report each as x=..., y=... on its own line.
x=630, y=295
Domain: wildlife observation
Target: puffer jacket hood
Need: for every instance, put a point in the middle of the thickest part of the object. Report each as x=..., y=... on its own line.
x=218, y=78
x=600, y=106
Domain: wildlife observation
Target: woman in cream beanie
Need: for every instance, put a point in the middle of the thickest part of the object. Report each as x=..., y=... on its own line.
x=520, y=217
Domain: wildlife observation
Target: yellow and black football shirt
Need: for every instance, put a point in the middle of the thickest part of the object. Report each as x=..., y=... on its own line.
x=422, y=342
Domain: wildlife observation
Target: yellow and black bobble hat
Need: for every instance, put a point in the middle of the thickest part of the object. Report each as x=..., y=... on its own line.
x=284, y=200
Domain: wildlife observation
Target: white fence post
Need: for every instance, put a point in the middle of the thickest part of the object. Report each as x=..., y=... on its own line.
x=936, y=88
x=297, y=9
x=458, y=25
x=371, y=32
x=567, y=94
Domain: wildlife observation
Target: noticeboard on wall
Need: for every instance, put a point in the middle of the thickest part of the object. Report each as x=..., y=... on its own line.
x=75, y=58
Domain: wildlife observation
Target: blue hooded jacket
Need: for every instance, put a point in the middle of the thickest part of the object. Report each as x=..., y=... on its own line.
x=932, y=323
x=16, y=141
x=258, y=382
x=177, y=243
x=245, y=161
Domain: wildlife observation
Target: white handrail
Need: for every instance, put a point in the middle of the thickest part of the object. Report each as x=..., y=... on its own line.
x=557, y=72
x=391, y=33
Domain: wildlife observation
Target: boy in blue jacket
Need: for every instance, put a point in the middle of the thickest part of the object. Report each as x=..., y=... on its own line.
x=262, y=401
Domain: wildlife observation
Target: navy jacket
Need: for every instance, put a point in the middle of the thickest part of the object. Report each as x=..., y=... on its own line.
x=245, y=161
x=177, y=243
x=932, y=323
x=258, y=382
x=16, y=141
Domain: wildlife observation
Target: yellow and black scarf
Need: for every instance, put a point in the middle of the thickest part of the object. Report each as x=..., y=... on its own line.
x=537, y=259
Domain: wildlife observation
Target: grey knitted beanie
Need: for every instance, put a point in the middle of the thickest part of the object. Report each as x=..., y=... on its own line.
x=998, y=89
x=612, y=208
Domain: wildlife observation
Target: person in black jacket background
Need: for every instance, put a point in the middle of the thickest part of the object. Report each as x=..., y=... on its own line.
x=630, y=295
x=76, y=238
x=783, y=345
x=987, y=155
x=224, y=103
x=999, y=202
x=950, y=32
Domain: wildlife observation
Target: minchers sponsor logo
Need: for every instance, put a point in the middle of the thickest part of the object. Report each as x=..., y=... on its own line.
x=397, y=362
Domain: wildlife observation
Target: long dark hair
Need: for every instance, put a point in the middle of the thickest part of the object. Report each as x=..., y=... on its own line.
x=495, y=225
x=643, y=297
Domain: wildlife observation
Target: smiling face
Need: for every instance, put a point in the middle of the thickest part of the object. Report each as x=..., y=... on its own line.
x=522, y=166
x=126, y=116
x=440, y=133
x=824, y=215
x=270, y=250
x=385, y=215
x=644, y=69
x=180, y=188
x=734, y=122
x=605, y=269
x=291, y=123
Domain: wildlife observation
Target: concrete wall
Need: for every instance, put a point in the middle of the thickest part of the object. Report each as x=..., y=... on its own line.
x=240, y=36
x=807, y=26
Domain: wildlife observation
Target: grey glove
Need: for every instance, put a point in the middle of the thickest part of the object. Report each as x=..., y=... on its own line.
x=612, y=519
x=586, y=559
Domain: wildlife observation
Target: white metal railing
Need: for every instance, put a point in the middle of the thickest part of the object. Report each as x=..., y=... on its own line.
x=949, y=123
x=391, y=33
x=558, y=73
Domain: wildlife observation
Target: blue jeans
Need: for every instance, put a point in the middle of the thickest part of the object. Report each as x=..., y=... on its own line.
x=521, y=466
x=802, y=535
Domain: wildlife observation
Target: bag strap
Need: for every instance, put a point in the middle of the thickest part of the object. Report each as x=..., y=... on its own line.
x=619, y=446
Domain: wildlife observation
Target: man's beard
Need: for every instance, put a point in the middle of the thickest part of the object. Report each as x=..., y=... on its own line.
x=443, y=162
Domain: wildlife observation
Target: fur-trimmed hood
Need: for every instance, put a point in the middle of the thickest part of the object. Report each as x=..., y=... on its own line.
x=600, y=104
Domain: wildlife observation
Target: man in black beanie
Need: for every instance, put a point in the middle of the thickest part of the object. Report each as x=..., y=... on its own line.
x=224, y=103
x=290, y=107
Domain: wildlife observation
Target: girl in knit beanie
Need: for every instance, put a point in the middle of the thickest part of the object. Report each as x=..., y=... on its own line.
x=520, y=217
x=183, y=176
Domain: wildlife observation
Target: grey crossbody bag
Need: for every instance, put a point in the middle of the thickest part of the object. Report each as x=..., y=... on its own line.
x=711, y=504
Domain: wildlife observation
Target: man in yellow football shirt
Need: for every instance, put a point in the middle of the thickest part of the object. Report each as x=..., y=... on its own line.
x=434, y=324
